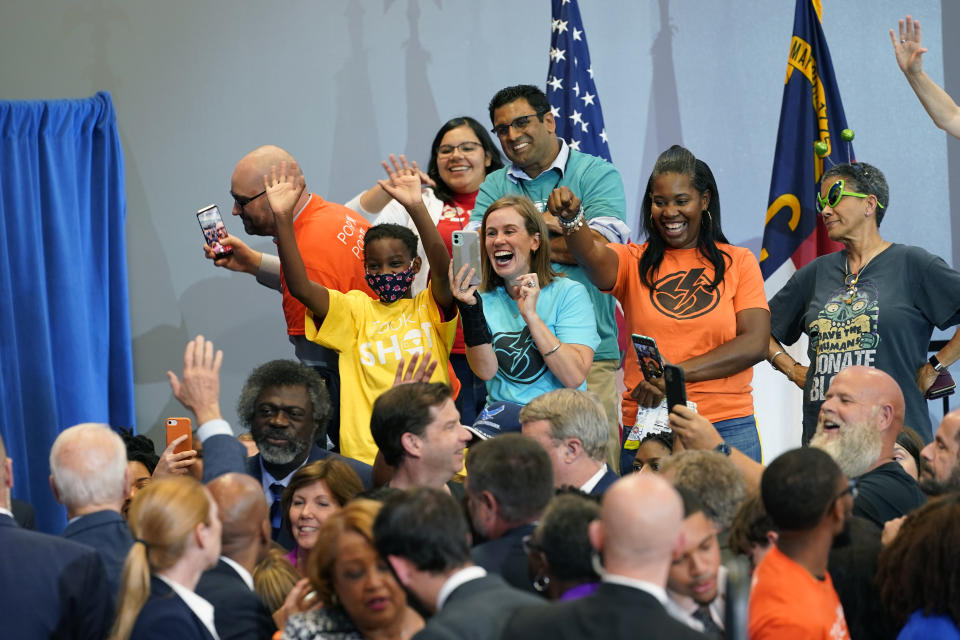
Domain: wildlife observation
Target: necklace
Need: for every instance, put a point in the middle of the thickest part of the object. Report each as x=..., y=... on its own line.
x=850, y=280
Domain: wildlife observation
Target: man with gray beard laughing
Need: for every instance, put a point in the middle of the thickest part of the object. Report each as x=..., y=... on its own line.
x=858, y=425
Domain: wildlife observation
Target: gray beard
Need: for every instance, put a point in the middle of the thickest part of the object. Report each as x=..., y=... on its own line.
x=855, y=449
x=281, y=454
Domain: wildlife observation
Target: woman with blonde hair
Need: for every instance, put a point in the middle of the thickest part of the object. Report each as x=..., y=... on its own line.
x=361, y=597
x=528, y=330
x=176, y=530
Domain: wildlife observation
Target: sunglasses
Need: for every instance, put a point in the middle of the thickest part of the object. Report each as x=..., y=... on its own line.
x=836, y=193
x=242, y=202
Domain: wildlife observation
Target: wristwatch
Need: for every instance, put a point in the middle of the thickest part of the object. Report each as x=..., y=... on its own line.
x=723, y=448
x=935, y=363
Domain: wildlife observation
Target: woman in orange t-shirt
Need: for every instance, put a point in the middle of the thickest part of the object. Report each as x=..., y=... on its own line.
x=699, y=297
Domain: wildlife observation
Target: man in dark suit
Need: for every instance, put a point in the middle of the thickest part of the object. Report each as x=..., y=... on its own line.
x=239, y=613
x=572, y=426
x=51, y=587
x=638, y=534
x=424, y=536
x=285, y=406
x=89, y=476
x=509, y=483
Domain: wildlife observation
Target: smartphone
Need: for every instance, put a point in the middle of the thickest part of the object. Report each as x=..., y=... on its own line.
x=177, y=427
x=466, y=250
x=676, y=388
x=211, y=223
x=651, y=364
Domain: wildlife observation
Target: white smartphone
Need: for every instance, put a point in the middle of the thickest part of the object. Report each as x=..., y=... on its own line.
x=466, y=250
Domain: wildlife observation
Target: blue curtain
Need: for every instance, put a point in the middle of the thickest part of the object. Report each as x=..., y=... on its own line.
x=65, y=354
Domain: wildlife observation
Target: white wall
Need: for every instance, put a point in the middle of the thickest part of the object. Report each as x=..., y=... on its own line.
x=341, y=84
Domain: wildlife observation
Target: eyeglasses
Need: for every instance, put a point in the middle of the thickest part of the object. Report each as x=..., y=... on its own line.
x=268, y=410
x=519, y=124
x=851, y=489
x=836, y=193
x=242, y=202
x=464, y=147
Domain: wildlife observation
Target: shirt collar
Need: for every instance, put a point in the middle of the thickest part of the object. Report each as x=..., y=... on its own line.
x=594, y=479
x=455, y=580
x=267, y=479
x=200, y=607
x=516, y=174
x=683, y=607
x=6, y=512
x=247, y=578
x=653, y=589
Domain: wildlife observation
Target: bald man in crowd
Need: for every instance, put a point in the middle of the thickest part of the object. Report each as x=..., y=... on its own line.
x=330, y=238
x=638, y=535
x=238, y=610
x=858, y=426
x=89, y=476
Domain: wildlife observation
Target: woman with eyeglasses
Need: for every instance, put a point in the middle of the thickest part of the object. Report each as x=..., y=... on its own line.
x=698, y=296
x=461, y=156
x=315, y=493
x=874, y=303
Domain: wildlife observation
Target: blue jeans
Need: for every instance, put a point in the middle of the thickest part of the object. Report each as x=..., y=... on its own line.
x=742, y=434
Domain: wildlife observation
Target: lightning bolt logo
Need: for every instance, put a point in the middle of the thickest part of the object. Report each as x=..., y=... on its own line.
x=685, y=294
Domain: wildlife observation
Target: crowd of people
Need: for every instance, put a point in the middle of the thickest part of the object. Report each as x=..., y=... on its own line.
x=449, y=455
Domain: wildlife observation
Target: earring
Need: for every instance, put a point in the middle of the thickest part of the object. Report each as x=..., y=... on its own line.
x=541, y=582
x=706, y=212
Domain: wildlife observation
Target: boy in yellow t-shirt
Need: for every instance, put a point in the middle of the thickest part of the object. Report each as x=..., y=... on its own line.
x=372, y=336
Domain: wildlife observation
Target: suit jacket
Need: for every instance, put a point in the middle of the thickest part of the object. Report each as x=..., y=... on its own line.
x=239, y=611
x=166, y=616
x=613, y=611
x=505, y=557
x=51, y=587
x=476, y=610
x=606, y=480
x=23, y=513
x=107, y=532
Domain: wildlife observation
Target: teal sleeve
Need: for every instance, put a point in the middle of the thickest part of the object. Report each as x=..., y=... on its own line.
x=603, y=194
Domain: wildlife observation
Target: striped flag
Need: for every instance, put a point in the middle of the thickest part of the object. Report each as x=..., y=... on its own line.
x=811, y=112
x=570, y=87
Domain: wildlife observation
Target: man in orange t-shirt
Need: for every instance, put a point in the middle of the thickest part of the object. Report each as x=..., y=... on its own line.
x=330, y=238
x=792, y=597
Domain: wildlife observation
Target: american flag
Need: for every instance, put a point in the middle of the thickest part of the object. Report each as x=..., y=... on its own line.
x=570, y=87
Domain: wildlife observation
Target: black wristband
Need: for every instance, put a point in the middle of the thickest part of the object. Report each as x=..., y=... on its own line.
x=475, y=329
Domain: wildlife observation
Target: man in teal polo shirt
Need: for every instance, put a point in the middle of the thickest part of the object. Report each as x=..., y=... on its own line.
x=540, y=162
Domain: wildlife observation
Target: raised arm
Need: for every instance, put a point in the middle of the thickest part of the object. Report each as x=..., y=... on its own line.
x=938, y=103
x=403, y=184
x=569, y=362
x=587, y=247
x=374, y=199
x=696, y=432
x=283, y=190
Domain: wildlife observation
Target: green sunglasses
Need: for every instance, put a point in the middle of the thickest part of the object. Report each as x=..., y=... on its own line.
x=836, y=193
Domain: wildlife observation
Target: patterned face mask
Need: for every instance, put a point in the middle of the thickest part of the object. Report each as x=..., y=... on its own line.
x=390, y=287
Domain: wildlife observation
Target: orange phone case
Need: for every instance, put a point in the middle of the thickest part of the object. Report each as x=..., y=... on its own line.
x=177, y=427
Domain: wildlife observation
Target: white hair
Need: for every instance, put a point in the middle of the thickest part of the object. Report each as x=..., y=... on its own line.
x=88, y=463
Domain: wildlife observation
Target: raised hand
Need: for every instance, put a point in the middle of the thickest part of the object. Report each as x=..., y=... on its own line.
x=527, y=290
x=174, y=464
x=563, y=203
x=403, y=183
x=199, y=391
x=460, y=285
x=908, y=48
x=284, y=187
x=420, y=369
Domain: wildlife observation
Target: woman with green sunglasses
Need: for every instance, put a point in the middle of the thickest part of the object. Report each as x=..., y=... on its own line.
x=875, y=303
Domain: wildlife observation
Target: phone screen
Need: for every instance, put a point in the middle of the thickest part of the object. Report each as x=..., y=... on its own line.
x=651, y=365
x=213, y=229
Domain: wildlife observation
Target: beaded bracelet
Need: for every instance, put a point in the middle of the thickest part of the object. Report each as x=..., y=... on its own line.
x=573, y=224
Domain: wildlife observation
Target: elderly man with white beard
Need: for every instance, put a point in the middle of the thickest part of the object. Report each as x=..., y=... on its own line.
x=858, y=425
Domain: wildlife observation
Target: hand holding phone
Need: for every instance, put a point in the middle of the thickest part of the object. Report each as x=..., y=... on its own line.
x=211, y=223
x=177, y=427
x=466, y=250
x=676, y=387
